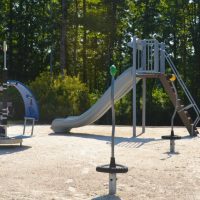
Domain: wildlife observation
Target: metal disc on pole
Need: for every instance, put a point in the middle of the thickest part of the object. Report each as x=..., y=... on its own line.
x=112, y=168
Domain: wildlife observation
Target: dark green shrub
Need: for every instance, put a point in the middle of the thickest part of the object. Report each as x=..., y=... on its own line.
x=59, y=97
x=123, y=109
x=161, y=107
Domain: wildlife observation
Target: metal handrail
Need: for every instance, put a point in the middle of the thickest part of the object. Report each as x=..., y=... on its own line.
x=184, y=87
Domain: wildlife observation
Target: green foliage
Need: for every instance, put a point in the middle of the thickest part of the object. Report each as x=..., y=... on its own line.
x=160, y=98
x=123, y=109
x=97, y=32
x=159, y=109
x=59, y=96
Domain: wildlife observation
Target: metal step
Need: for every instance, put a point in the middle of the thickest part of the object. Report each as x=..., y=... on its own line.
x=184, y=115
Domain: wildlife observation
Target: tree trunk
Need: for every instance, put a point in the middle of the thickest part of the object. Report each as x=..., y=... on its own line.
x=84, y=45
x=63, y=38
x=195, y=36
x=10, y=38
x=75, y=38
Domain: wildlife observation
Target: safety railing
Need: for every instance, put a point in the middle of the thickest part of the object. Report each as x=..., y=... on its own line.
x=149, y=58
x=192, y=103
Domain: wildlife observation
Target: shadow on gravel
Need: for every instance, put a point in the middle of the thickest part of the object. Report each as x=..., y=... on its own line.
x=131, y=142
x=107, y=197
x=169, y=155
x=9, y=149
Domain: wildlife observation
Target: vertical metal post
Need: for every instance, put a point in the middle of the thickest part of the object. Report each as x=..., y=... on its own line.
x=33, y=124
x=148, y=56
x=139, y=65
x=113, y=117
x=172, y=146
x=144, y=86
x=112, y=184
x=162, y=57
x=144, y=55
x=176, y=107
x=192, y=130
x=156, y=56
x=134, y=85
x=172, y=142
x=151, y=57
x=143, y=105
x=24, y=126
x=112, y=176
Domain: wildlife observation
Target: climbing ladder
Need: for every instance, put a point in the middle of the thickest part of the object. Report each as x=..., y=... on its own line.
x=183, y=111
x=192, y=104
x=150, y=59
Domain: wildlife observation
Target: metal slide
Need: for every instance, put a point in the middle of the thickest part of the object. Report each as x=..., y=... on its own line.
x=123, y=85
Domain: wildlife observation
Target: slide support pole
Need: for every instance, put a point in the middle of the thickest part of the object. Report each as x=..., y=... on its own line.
x=134, y=85
x=144, y=105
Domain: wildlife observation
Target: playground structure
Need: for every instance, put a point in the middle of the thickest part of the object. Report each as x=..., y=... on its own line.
x=30, y=104
x=149, y=61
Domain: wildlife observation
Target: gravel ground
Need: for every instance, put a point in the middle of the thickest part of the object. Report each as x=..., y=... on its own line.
x=63, y=166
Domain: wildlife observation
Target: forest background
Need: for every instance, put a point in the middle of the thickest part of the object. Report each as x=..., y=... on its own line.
x=63, y=49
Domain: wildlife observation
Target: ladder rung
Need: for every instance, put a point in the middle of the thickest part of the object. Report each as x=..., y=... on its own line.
x=190, y=119
x=186, y=107
x=181, y=109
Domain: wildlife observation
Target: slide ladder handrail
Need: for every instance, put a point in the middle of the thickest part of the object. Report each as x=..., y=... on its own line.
x=185, y=89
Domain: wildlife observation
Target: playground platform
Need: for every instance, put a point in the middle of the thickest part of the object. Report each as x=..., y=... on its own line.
x=63, y=166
